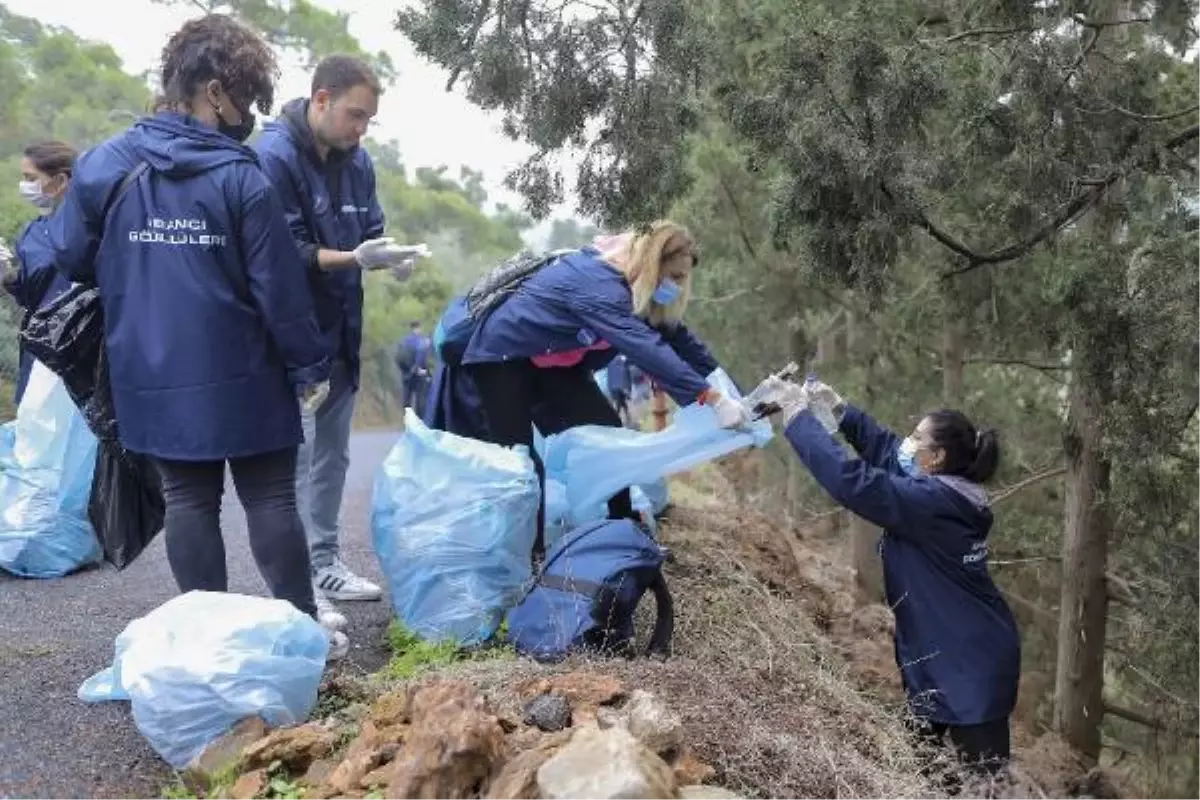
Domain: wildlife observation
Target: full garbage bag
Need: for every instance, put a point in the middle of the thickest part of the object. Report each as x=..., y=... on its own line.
x=47, y=456
x=594, y=462
x=453, y=521
x=199, y=663
x=126, y=506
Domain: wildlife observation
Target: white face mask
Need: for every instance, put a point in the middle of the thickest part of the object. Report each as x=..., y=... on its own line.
x=32, y=192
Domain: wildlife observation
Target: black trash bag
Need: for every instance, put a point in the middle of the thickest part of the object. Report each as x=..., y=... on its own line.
x=67, y=335
x=126, y=506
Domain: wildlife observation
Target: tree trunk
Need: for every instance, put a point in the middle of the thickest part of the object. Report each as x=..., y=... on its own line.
x=954, y=352
x=1083, y=613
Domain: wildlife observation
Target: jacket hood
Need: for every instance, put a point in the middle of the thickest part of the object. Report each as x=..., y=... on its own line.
x=293, y=121
x=970, y=490
x=177, y=145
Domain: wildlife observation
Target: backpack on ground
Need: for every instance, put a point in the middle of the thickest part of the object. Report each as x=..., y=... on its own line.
x=588, y=591
x=467, y=311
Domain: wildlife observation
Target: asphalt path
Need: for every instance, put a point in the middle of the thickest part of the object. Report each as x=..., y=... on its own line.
x=55, y=633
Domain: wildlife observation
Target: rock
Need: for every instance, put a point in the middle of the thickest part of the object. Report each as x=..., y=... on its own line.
x=295, y=747
x=251, y=785
x=690, y=770
x=391, y=709
x=319, y=771
x=605, y=764
x=580, y=688
x=223, y=754
x=706, y=793
x=652, y=723
x=549, y=712
x=372, y=737
x=518, y=778
x=350, y=773
x=453, y=746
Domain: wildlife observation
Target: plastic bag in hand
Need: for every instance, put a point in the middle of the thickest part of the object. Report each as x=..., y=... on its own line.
x=199, y=663
x=594, y=462
x=47, y=457
x=453, y=522
x=66, y=335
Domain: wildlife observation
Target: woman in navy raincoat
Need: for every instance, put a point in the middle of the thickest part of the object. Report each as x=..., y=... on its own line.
x=210, y=327
x=531, y=361
x=45, y=173
x=957, y=643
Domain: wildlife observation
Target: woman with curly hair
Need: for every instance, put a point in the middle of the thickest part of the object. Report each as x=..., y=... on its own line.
x=210, y=327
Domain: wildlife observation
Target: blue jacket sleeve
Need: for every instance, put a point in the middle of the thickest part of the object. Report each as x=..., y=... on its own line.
x=75, y=229
x=280, y=289
x=375, y=219
x=874, y=494
x=615, y=323
x=690, y=349
x=284, y=182
x=874, y=443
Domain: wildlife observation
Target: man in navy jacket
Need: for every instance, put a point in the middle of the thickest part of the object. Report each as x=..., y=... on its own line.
x=327, y=184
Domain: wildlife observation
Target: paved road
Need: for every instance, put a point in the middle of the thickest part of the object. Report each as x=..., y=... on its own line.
x=53, y=634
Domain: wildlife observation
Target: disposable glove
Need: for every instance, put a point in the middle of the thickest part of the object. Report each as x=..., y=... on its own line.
x=314, y=395
x=6, y=255
x=826, y=404
x=384, y=253
x=730, y=413
x=781, y=396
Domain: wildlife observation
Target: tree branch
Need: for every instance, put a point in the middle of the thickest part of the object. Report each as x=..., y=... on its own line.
x=465, y=49
x=1009, y=491
x=1136, y=116
x=1133, y=716
x=725, y=298
x=1016, y=362
x=973, y=34
x=1116, y=23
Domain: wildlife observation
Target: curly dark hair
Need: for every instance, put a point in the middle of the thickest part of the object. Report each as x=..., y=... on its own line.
x=219, y=47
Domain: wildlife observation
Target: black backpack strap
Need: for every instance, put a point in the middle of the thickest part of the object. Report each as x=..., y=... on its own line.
x=129, y=179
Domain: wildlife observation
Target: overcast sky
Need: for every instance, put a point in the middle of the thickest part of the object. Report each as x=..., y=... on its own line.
x=431, y=126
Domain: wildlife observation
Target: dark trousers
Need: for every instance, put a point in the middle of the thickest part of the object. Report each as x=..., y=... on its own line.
x=982, y=749
x=516, y=395
x=266, y=486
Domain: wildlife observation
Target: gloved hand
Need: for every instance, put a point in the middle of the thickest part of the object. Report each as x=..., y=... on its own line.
x=314, y=395
x=404, y=270
x=384, y=253
x=6, y=255
x=730, y=413
x=789, y=397
x=826, y=404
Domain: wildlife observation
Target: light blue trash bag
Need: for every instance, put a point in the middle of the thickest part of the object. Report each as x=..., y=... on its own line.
x=453, y=522
x=47, y=457
x=594, y=462
x=199, y=663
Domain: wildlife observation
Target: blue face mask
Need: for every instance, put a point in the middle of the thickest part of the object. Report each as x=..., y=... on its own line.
x=907, y=456
x=667, y=292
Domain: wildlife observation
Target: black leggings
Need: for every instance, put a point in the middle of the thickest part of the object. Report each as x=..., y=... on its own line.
x=266, y=485
x=516, y=395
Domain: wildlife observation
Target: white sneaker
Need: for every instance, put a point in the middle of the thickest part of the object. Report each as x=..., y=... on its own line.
x=327, y=614
x=339, y=645
x=339, y=583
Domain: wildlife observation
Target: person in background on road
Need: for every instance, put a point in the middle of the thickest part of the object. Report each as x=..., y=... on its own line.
x=620, y=384
x=326, y=181
x=210, y=328
x=532, y=359
x=412, y=362
x=45, y=173
x=957, y=643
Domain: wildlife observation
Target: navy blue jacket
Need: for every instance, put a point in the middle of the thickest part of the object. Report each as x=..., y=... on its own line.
x=36, y=284
x=578, y=300
x=210, y=326
x=329, y=204
x=414, y=347
x=618, y=376
x=957, y=644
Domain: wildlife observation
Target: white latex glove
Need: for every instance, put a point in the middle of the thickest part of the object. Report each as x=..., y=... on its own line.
x=788, y=397
x=730, y=414
x=314, y=395
x=384, y=253
x=6, y=255
x=826, y=404
x=404, y=270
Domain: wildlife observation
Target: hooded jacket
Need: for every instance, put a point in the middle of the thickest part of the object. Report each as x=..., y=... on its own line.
x=37, y=282
x=209, y=323
x=957, y=644
x=330, y=204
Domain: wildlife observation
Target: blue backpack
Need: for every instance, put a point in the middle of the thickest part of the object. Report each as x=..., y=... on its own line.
x=587, y=593
x=466, y=312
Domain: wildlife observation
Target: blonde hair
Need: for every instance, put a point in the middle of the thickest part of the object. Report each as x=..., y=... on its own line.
x=639, y=255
